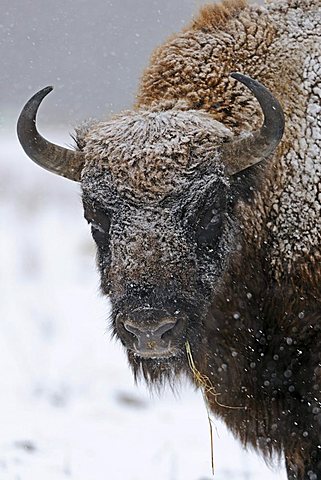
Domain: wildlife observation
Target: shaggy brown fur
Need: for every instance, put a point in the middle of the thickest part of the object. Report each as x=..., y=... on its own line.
x=213, y=17
x=230, y=263
x=280, y=48
x=275, y=293
x=254, y=312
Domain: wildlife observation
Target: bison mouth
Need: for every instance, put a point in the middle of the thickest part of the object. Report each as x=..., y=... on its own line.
x=158, y=354
x=157, y=370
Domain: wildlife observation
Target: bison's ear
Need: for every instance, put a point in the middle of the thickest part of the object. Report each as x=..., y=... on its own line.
x=245, y=183
x=56, y=159
x=250, y=150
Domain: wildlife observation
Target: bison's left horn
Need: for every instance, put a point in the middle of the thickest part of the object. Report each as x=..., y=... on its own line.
x=56, y=159
x=248, y=150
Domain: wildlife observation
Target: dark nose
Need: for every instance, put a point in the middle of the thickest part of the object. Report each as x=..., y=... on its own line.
x=150, y=338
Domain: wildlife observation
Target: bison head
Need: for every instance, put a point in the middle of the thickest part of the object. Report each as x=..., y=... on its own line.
x=160, y=188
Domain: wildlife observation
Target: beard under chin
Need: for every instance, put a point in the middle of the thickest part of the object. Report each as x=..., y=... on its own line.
x=158, y=372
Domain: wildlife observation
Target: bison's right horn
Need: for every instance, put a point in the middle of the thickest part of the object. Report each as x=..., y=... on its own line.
x=56, y=159
x=246, y=151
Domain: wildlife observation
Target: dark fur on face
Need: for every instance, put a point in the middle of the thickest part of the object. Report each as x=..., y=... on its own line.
x=166, y=250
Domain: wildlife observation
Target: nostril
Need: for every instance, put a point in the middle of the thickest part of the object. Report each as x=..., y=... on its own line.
x=164, y=328
x=130, y=328
x=149, y=336
x=146, y=331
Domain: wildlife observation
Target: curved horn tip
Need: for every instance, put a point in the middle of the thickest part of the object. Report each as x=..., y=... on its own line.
x=272, y=109
x=239, y=76
x=249, y=82
x=31, y=107
x=48, y=89
x=248, y=151
x=42, y=93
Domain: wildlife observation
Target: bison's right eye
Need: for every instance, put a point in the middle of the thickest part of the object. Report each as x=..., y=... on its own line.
x=100, y=225
x=100, y=236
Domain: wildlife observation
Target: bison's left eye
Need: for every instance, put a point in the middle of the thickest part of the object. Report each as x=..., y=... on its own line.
x=208, y=228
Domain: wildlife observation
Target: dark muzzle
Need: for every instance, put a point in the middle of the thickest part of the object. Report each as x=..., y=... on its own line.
x=149, y=333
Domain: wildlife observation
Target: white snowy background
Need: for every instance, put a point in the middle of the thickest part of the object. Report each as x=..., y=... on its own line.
x=69, y=408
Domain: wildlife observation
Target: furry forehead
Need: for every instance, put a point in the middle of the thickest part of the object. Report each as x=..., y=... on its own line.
x=148, y=152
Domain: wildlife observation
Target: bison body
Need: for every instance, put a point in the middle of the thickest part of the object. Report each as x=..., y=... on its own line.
x=208, y=228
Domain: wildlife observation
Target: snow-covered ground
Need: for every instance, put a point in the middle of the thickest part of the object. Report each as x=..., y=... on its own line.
x=69, y=408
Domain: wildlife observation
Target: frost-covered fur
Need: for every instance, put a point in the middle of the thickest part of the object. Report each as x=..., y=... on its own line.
x=140, y=148
x=279, y=46
x=251, y=301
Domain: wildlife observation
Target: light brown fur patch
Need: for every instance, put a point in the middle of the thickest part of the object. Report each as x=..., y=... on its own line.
x=214, y=16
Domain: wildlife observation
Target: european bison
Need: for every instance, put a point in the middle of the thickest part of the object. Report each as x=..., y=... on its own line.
x=208, y=222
